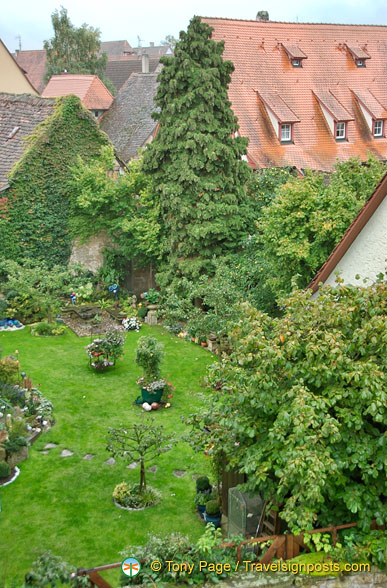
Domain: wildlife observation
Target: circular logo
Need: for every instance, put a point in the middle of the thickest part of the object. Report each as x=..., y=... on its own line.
x=131, y=567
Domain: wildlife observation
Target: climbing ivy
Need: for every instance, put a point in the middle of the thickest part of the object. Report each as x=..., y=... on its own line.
x=34, y=215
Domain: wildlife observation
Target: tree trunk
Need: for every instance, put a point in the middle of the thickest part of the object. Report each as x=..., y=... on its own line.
x=142, y=477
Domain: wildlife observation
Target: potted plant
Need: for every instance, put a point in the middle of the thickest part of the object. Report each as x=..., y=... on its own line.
x=103, y=352
x=203, y=485
x=212, y=513
x=152, y=297
x=201, y=500
x=149, y=354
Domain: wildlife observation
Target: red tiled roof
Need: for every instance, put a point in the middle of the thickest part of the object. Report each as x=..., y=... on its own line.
x=278, y=106
x=293, y=51
x=262, y=65
x=89, y=89
x=329, y=100
x=34, y=64
x=369, y=102
x=358, y=52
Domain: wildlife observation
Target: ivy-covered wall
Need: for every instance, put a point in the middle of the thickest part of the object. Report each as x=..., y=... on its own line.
x=34, y=215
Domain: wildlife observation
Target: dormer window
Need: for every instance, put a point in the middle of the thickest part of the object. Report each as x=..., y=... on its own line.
x=281, y=116
x=373, y=111
x=358, y=55
x=286, y=133
x=295, y=54
x=341, y=131
x=378, y=128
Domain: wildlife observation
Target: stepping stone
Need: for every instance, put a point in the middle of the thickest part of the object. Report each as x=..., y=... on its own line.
x=179, y=473
x=88, y=456
x=132, y=466
x=152, y=469
x=50, y=446
x=66, y=453
x=110, y=461
x=44, y=452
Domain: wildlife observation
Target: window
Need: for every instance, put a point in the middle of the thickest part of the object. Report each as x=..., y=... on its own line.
x=296, y=63
x=286, y=133
x=340, y=130
x=360, y=63
x=378, y=128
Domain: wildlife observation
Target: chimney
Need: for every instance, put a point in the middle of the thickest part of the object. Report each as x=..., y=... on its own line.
x=262, y=15
x=145, y=63
x=152, y=44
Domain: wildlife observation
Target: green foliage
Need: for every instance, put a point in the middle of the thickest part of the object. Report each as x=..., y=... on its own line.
x=37, y=288
x=124, y=206
x=47, y=329
x=212, y=507
x=5, y=469
x=130, y=496
x=195, y=160
x=74, y=50
x=149, y=355
x=300, y=406
x=51, y=571
x=9, y=370
x=35, y=224
x=138, y=442
x=308, y=217
x=361, y=546
x=203, y=483
x=152, y=296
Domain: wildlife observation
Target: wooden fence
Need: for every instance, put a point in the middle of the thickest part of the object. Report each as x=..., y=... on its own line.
x=282, y=547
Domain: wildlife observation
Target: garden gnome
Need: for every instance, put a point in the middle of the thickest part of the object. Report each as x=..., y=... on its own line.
x=73, y=297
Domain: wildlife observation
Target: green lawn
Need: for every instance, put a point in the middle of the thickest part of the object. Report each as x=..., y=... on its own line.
x=65, y=504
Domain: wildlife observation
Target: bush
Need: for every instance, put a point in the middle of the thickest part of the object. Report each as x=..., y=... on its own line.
x=45, y=329
x=142, y=311
x=129, y=496
x=14, y=443
x=149, y=354
x=152, y=296
x=213, y=507
x=9, y=370
x=15, y=395
x=203, y=484
x=3, y=308
x=5, y=470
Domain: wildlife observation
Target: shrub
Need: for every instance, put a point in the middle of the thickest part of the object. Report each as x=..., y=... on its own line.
x=45, y=329
x=152, y=296
x=3, y=308
x=14, y=443
x=212, y=507
x=5, y=470
x=15, y=395
x=9, y=370
x=203, y=484
x=149, y=354
x=202, y=498
x=142, y=311
x=130, y=496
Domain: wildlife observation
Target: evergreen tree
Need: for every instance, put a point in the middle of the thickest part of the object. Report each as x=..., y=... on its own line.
x=196, y=159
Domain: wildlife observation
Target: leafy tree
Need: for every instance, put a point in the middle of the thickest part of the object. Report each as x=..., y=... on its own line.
x=308, y=217
x=169, y=41
x=138, y=442
x=301, y=406
x=123, y=205
x=50, y=570
x=74, y=50
x=195, y=160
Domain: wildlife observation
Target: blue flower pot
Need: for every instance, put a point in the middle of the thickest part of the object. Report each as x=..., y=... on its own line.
x=201, y=510
x=214, y=519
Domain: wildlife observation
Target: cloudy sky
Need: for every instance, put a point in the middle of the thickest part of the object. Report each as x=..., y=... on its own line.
x=152, y=20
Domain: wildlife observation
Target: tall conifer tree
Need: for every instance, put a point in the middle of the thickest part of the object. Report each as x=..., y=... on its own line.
x=196, y=159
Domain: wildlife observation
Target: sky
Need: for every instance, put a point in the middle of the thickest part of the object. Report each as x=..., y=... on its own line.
x=152, y=20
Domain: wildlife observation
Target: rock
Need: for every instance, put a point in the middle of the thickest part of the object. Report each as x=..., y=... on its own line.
x=179, y=473
x=110, y=461
x=88, y=456
x=66, y=453
x=132, y=466
x=50, y=446
x=44, y=452
x=147, y=407
x=152, y=469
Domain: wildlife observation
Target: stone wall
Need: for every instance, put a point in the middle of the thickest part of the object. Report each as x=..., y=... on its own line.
x=90, y=253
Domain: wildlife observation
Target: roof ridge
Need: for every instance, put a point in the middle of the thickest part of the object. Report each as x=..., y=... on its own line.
x=268, y=22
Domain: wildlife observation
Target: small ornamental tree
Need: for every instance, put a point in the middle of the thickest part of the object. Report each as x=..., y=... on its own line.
x=300, y=406
x=195, y=161
x=139, y=442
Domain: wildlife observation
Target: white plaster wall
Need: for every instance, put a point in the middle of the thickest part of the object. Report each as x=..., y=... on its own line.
x=274, y=121
x=329, y=118
x=368, y=253
x=367, y=116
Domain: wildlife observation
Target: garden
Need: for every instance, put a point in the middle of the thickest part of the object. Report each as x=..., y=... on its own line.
x=62, y=500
